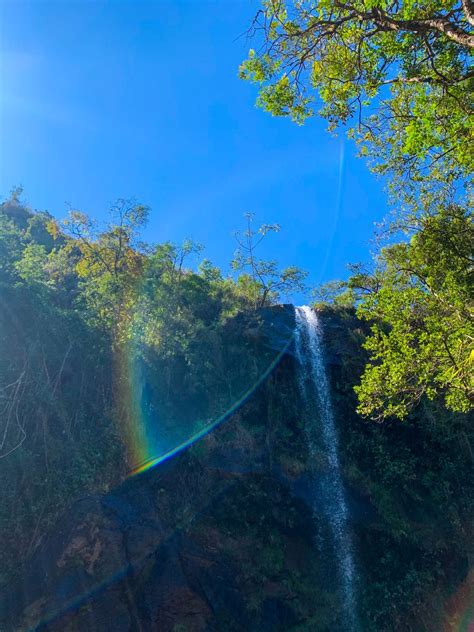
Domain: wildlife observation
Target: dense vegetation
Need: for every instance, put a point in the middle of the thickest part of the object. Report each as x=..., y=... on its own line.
x=78, y=306
x=399, y=72
x=418, y=299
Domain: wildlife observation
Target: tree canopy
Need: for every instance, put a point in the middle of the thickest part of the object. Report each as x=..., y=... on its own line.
x=398, y=72
x=418, y=300
x=262, y=279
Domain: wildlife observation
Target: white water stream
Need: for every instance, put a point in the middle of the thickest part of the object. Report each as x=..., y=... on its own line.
x=323, y=447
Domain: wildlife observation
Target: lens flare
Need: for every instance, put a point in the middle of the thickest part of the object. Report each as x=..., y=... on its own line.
x=141, y=440
x=140, y=446
x=460, y=607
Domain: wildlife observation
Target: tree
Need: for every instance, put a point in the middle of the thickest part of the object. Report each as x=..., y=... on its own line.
x=162, y=315
x=334, y=293
x=32, y=265
x=14, y=208
x=11, y=246
x=110, y=262
x=264, y=283
x=419, y=304
x=400, y=69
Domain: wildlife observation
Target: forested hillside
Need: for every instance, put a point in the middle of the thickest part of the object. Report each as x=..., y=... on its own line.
x=114, y=354
x=82, y=313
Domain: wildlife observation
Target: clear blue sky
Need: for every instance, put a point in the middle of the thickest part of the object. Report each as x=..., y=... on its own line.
x=101, y=100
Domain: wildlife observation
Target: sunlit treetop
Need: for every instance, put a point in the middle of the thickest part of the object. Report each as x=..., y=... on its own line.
x=418, y=301
x=398, y=72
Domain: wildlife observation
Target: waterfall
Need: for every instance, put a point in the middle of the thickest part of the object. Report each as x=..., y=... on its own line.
x=329, y=496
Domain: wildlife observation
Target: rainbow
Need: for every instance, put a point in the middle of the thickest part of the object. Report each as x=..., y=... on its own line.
x=141, y=450
x=460, y=607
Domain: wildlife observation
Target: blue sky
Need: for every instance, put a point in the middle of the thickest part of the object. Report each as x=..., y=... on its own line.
x=101, y=100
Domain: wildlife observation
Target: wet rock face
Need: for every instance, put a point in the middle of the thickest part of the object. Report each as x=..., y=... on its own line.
x=93, y=547
x=211, y=540
x=121, y=562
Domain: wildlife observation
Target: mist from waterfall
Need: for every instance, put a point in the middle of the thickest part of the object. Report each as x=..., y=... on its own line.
x=329, y=496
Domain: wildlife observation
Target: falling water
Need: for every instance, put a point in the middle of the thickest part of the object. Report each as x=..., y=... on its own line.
x=323, y=444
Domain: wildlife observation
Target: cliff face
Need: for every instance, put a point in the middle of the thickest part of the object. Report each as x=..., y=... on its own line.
x=224, y=537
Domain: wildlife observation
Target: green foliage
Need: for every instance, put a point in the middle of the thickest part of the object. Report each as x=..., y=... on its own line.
x=39, y=230
x=399, y=71
x=422, y=331
x=55, y=402
x=336, y=293
x=418, y=300
x=31, y=266
x=264, y=283
x=110, y=264
x=10, y=247
x=75, y=297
